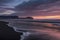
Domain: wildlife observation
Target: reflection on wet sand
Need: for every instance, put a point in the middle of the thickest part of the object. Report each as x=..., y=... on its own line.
x=38, y=31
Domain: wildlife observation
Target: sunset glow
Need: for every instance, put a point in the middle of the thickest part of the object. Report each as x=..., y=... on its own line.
x=47, y=17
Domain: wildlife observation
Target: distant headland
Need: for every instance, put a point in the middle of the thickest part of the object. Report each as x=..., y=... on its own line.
x=14, y=17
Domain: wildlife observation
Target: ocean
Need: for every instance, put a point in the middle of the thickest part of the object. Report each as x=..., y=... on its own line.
x=36, y=29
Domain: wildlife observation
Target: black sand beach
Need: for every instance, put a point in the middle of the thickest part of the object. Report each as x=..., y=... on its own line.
x=8, y=33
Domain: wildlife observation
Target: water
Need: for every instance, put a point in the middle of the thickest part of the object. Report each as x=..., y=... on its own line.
x=25, y=34
x=36, y=30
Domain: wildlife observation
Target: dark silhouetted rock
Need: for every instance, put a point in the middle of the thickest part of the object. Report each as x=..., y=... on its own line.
x=26, y=18
x=8, y=17
x=8, y=33
x=29, y=17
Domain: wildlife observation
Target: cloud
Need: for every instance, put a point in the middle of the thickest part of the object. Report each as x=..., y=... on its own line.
x=11, y=3
x=36, y=8
x=5, y=1
x=47, y=17
x=32, y=7
x=33, y=4
x=6, y=11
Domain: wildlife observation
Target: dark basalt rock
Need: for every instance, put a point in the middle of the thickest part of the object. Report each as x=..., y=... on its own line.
x=8, y=33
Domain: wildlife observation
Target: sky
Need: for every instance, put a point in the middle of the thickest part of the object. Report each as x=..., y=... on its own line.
x=38, y=9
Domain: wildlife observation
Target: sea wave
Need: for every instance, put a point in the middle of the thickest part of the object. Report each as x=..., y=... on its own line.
x=36, y=30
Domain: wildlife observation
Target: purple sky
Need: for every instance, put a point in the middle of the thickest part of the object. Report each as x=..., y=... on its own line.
x=35, y=8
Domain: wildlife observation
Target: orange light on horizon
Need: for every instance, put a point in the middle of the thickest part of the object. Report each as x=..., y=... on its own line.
x=47, y=17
